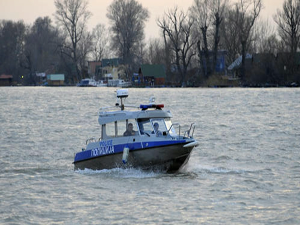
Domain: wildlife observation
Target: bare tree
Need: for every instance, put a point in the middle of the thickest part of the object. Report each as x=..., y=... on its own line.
x=127, y=19
x=155, y=52
x=246, y=12
x=288, y=21
x=167, y=55
x=265, y=38
x=100, y=42
x=201, y=15
x=177, y=27
x=141, y=53
x=218, y=8
x=208, y=15
x=230, y=36
x=85, y=47
x=72, y=17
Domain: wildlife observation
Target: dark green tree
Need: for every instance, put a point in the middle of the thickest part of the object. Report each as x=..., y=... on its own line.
x=127, y=22
x=41, y=52
x=12, y=35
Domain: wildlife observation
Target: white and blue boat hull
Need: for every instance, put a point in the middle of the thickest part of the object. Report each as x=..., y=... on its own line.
x=160, y=155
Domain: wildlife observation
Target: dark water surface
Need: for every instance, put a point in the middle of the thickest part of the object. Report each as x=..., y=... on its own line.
x=245, y=171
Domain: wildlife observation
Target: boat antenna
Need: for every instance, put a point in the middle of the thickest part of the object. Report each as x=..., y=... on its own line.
x=122, y=93
x=152, y=99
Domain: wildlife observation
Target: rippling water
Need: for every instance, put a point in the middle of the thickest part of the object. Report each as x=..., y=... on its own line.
x=245, y=171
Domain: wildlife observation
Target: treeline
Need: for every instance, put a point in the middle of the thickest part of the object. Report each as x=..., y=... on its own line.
x=188, y=39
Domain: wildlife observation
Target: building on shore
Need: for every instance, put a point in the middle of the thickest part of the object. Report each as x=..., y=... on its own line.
x=150, y=75
x=6, y=80
x=56, y=79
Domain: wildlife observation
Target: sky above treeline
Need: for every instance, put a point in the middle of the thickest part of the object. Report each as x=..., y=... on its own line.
x=30, y=10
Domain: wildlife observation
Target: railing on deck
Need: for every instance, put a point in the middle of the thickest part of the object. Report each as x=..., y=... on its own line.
x=190, y=132
x=90, y=140
x=187, y=134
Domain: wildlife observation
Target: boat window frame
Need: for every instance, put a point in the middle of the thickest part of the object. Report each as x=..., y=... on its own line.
x=112, y=134
x=102, y=131
x=151, y=121
x=117, y=130
x=170, y=129
x=127, y=121
x=158, y=120
x=141, y=123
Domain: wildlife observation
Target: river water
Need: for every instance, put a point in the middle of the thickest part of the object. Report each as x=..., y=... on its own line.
x=246, y=169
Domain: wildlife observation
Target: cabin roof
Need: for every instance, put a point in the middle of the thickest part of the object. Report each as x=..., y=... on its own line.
x=108, y=117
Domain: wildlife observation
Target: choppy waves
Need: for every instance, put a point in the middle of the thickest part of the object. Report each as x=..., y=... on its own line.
x=245, y=170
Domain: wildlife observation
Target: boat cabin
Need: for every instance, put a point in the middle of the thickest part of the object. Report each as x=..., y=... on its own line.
x=149, y=122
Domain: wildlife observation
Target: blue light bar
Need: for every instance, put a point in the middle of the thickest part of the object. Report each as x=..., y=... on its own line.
x=151, y=106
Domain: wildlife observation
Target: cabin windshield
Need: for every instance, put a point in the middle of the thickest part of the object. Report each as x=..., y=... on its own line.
x=145, y=126
x=109, y=130
x=153, y=126
x=131, y=127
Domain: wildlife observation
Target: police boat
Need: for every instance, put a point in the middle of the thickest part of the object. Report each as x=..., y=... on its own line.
x=142, y=138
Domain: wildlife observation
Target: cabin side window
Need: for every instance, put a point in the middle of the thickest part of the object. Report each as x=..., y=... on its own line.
x=170, y=128
x=110, y=129
x=127, y=128
x=121, y=128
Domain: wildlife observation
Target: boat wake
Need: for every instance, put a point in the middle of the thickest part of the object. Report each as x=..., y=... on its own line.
x=123, y=173
x=205, y=169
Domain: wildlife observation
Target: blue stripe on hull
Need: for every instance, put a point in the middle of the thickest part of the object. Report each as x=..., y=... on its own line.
x=115, y=149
